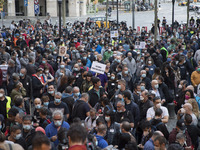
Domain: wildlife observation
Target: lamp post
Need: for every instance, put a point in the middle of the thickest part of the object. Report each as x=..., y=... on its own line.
x=60, y=2
x=133, y=14
x=117, y=13
x=173, y=1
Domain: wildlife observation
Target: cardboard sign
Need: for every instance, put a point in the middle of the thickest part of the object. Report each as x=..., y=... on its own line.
x=62, y=50
x=113, y=34
x=98, y=67
x=140, y=45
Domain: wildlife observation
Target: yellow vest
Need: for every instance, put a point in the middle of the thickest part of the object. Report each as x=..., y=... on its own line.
x=8, y=104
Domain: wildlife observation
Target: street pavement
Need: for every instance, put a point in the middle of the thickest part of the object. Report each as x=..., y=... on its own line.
x=142, y=18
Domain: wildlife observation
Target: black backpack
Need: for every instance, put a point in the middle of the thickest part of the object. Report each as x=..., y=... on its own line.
x=154, y=127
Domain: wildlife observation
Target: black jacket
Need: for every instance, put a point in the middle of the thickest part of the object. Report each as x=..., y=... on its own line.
x=194, y=133
x=165, y=91
x=162, y=127
x=94, y=98
x=27, y=84
x=37, y=86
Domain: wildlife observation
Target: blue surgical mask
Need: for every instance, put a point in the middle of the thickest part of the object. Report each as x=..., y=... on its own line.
x=18, y=136
x=142, y=88
x=119, y=86
x=46, y=104
x=77, y=94
x=50, y=92
x=43, y=62
x=112, y=78
x=21, y=74
x=76, y=69
x=143, y=75
x=27, y=127
x=62, y=66
x=57, y=100
x=38, y=106
x=156, y=86
x=58, y=123
x=126, y=72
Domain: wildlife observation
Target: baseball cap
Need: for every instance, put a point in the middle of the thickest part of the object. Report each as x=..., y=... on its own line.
x=180, y=124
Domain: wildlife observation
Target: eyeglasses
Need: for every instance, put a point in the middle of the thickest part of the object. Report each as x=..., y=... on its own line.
x=119, y=106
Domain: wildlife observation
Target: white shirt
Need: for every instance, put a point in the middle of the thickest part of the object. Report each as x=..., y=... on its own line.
x=151, y=112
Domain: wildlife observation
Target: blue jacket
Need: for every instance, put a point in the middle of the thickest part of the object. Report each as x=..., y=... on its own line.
x=51, y=130
x=101, y=142
x=98, y=49
x=88, y=63
x=149, y=145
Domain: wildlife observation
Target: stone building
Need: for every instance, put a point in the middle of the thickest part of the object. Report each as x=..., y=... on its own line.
x=74, y=8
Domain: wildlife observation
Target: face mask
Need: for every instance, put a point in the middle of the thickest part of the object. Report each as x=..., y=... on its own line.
x=38, y=106
x=143, y=75
x=57, y=100
x=18, y=136
x=126, y=72
x=158, y=105
x=84, y=58
x=119, y=111
x=77, y=94
x=142, y=88
x=141, y=98
x=46, y=104
x=61, y=74
x=47, y=71
x=187, y=97
x=76, y=69
x=62, y=66
x=50, y=92
x=40, y=75
x=149, y=62
x=119, y=86
x=112, y=78
x=79, y=64
x=1, y=95
x=27, y=127
x=107, y=118
x=180, y=86
x=58, y=123
x=118, y=60
x=21, y=74
x=43, y=62
x=96, y=142
x=88, y=55
x=109, y=50
x=156, y=86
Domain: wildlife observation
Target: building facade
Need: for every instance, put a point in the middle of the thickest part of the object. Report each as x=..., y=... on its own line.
x=74, y=8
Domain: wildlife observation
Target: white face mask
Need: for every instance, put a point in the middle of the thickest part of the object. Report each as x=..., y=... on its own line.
x=107, y=118
x=158, y=105
x=1, y=95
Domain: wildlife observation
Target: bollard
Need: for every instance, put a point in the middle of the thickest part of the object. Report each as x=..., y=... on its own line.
x=171, y=110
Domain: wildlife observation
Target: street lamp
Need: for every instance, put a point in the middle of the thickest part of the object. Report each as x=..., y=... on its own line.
x=60, y=2
x=173, y=1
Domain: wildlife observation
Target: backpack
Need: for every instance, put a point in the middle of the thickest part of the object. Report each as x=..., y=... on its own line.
x=154, y=127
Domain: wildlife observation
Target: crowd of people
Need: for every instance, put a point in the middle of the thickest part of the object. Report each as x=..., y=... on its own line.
x=50, y=102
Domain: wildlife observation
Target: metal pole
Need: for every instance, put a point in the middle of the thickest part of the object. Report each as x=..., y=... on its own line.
x=173, y=1
x=60, y=19
x=2, y=18
x=133, y=14
x=107, y=14
x=64, y=12
x=188, y=3
x=117, y=14
x=155, y=22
